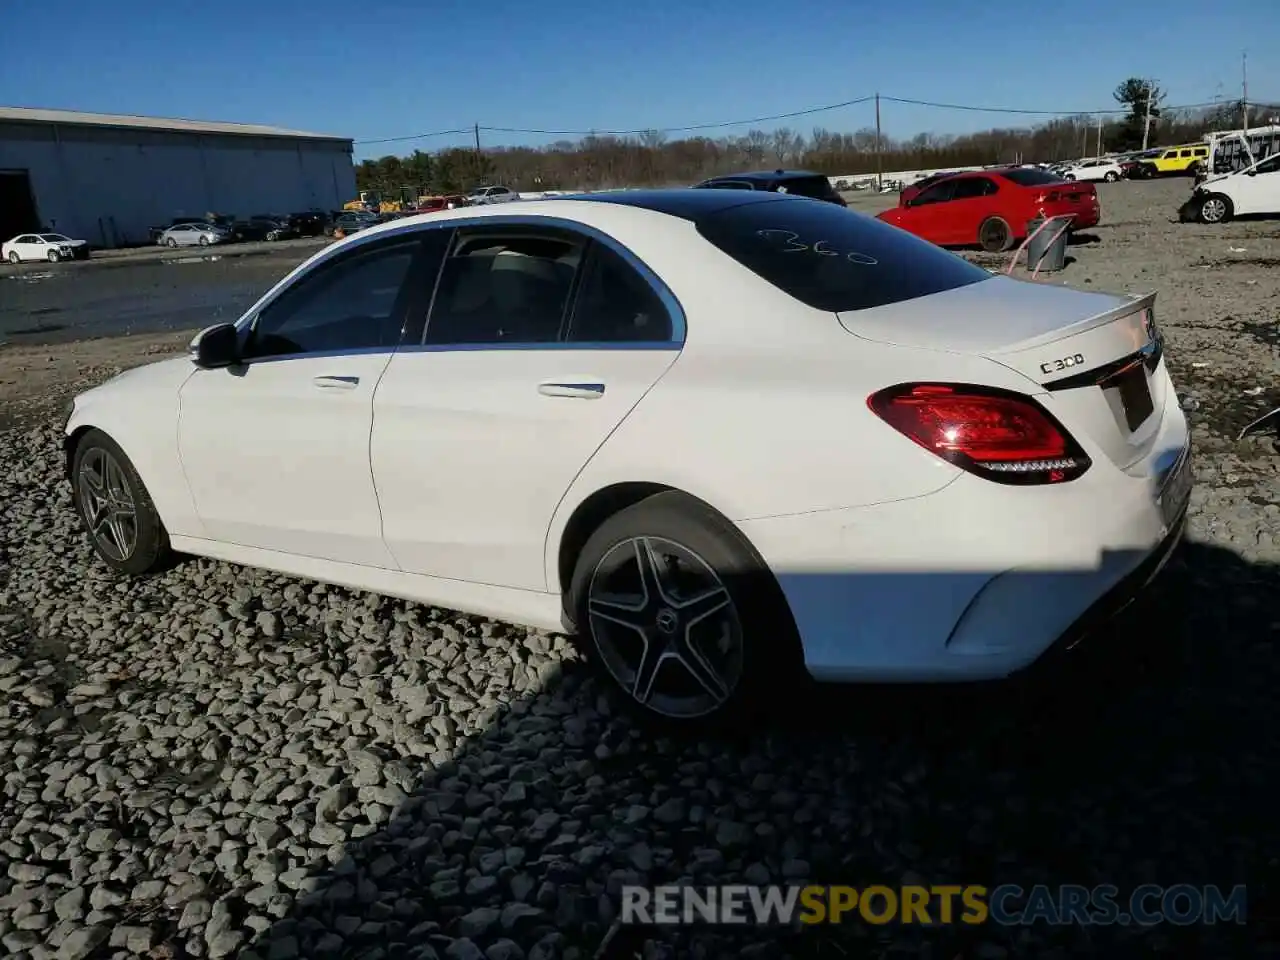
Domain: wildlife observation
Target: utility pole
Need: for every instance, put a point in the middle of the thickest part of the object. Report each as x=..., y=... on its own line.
x=1098, y=152
x=1146, y=120
x=1244, y=91
x=879, y=151
x=477, y=132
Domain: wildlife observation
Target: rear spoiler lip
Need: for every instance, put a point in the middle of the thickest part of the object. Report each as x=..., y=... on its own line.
x=1264, y=421
x=1133, y=305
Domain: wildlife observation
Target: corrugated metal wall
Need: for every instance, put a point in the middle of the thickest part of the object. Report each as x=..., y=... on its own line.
x=108, y=186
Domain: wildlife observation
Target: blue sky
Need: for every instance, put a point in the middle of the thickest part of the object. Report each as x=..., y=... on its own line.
x=380, y=69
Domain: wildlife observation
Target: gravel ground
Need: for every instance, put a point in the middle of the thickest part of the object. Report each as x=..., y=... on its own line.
x=223, y=762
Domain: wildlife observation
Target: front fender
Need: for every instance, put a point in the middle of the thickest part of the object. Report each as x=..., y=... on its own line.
x=139, y=411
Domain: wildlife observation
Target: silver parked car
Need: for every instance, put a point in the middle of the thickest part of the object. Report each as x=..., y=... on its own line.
x=193, y=234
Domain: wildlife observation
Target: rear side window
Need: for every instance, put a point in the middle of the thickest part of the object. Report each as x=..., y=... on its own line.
x=831, y=258
x=816, y=188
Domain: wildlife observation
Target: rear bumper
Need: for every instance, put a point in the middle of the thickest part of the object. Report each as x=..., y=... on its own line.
x=976, y=581
x=1110, y=605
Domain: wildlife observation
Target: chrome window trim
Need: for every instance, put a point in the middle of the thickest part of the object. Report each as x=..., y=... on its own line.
x=675, y=310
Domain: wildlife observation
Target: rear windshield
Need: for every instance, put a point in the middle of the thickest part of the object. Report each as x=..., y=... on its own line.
x=831, y=258
x=817, y=188
x=1031, y=178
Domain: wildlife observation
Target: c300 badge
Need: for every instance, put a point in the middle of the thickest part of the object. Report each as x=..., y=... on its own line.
x=1066, y=363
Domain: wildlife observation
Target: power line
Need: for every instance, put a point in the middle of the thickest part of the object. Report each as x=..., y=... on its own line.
x=687, y=129
x=1034, y=113
x=418, y=136
x=809, y=111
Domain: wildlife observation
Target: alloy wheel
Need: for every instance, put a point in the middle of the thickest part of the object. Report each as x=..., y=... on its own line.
x=109, y=508
x=1213, y=210
x=666, y=627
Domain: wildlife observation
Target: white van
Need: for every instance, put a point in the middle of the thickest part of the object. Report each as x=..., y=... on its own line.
x=1254, y=190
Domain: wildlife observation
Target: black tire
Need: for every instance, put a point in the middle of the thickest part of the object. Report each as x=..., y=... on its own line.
x=54, y=256
x=1068, y=176
x=148, y=550
x=170, y=242
x=759, y=653
x=1111, y=176
x=204, y=241
x=13, y=257
x=994, y=235
x=1215, y=208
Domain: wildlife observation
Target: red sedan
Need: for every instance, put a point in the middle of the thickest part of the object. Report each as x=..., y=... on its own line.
x=991, y=208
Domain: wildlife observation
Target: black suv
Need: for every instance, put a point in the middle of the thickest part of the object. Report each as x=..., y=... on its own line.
x=802, y=183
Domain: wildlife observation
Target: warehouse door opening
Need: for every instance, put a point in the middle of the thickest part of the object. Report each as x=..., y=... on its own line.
x=17, y=205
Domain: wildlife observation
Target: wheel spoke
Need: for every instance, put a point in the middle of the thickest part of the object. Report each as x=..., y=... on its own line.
x=651, y=658
x=648, y=567
x=119, y=532
x=702, y=672
x=698, y=608
x=633, y=613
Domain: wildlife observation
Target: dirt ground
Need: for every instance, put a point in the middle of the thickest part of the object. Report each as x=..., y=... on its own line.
x=1218, y=303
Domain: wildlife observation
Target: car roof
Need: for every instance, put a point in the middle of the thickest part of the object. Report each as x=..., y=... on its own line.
x=684, y=203
x=770, y=175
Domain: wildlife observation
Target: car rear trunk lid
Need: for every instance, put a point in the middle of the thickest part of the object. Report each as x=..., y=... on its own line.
x=1094, y=357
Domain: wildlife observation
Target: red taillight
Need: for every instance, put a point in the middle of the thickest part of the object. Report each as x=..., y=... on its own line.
x=1051, y=197
x=996, y=434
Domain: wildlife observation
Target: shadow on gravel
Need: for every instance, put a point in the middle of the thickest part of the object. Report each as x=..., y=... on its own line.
x=1149, y=759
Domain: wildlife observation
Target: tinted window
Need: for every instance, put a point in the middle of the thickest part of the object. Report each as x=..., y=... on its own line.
x=616, y=305
x=1031, y=178
x=503, y=289
x=817, y=188
x=832, y=258
x=969, y=188
x=940, y=192
x=349, y=304
x=726, y=185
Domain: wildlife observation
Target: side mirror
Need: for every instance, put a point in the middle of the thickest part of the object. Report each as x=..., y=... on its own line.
x=216, y=346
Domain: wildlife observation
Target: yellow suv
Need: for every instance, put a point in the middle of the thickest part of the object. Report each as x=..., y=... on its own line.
x=1183, y=160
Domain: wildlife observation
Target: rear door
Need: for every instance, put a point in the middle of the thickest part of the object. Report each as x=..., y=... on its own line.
x=540, y=340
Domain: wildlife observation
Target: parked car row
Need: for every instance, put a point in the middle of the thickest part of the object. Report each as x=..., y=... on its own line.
x=208, y=230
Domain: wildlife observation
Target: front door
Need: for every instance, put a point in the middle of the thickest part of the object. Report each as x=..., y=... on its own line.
x=276, y=449
x=1258, y=190
x=538, y=344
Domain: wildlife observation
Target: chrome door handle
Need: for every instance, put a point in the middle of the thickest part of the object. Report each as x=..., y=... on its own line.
x=336, y=383
x=574, y=391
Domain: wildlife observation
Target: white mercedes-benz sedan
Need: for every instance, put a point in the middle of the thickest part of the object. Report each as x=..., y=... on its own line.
x=716, y=435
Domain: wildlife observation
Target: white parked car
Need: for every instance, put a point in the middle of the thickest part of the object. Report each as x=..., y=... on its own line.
x=43, y=246
x=1098, y=169
x=485, y=195
x=1252, y=191
x=193, y=234
x=719, y=436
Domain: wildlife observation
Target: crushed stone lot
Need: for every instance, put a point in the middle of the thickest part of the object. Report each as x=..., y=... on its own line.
x=221, y=762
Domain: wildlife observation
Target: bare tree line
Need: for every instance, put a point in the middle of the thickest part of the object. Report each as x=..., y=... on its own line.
x=653, y=159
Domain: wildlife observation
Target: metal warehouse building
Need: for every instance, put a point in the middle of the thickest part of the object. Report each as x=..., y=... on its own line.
x=108, y=179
